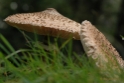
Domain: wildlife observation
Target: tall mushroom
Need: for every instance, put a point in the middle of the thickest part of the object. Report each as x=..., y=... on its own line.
x=50, y=22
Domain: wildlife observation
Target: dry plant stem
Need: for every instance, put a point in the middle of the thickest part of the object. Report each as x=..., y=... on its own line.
x=98, y=47
x=47, y=22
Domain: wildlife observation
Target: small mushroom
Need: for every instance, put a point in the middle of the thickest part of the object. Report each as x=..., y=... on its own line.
x=98, y=47
x=48, y=22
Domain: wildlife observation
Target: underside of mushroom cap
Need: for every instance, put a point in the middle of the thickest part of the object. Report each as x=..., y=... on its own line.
x=97, y=46
x=47, y=22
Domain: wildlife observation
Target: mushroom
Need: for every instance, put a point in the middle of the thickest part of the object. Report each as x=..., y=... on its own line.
x=50, y=22
x=98, y=47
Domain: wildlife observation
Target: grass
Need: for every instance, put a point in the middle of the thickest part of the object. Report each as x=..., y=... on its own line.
x=51, y=63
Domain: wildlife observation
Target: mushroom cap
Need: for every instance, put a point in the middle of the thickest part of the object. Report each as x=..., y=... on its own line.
x=98, y=47
x=47, y=22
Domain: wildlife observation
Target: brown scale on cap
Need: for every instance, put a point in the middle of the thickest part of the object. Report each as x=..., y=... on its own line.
x=48, y=22
x=98, y=47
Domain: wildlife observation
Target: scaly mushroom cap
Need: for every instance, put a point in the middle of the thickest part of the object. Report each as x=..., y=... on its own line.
x=48, y=22
x=98, y=47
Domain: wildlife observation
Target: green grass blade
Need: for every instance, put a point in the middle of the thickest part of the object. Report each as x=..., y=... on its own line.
x=7, y=43
x=4, y=49
x=9, y=47
x=65, y=43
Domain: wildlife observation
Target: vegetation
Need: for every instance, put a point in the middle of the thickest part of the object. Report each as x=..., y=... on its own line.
x=50, y=63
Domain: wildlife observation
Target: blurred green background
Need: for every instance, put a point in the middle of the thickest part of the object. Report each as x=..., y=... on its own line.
x=106, y=15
